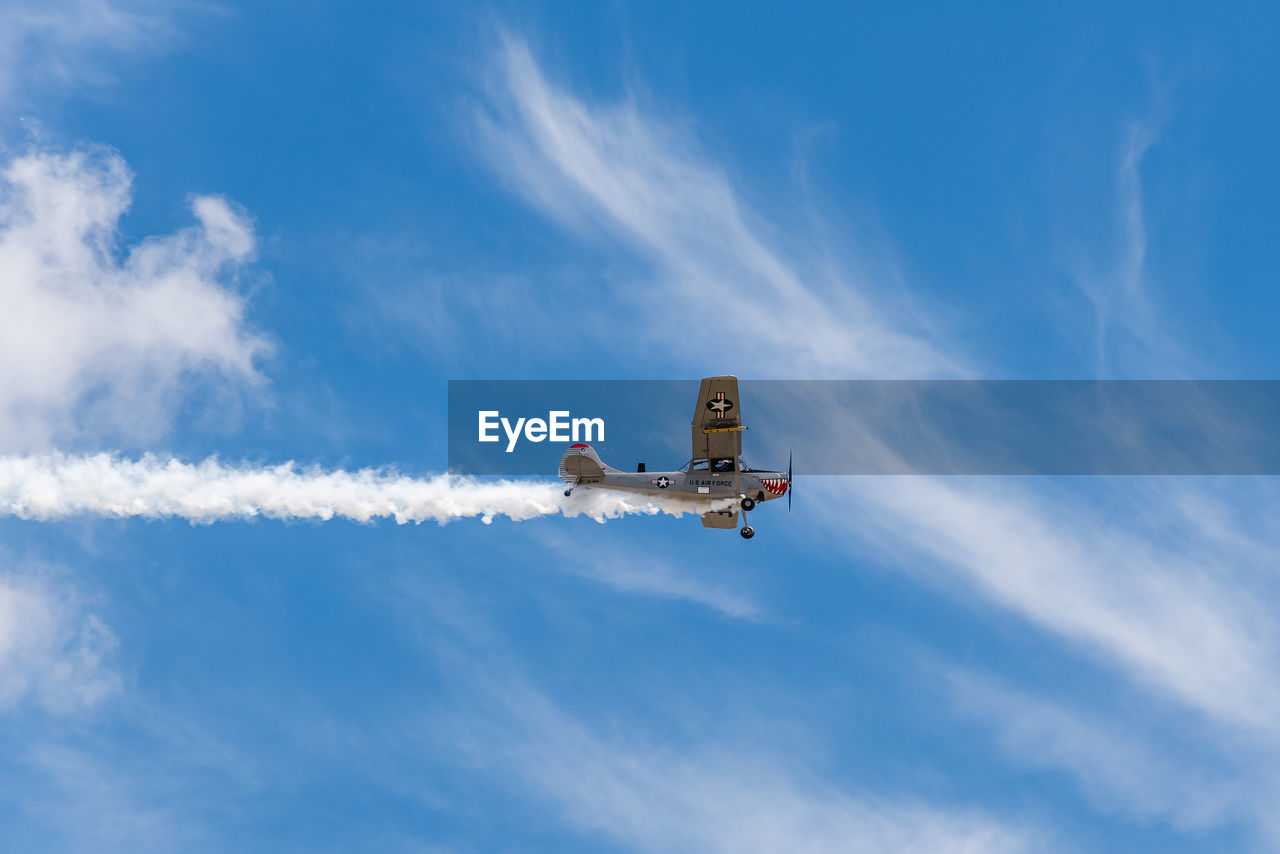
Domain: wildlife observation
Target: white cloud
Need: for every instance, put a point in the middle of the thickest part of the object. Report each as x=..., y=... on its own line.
x=726, y=797
x=663, y=580
x=96, y=339
x=660, y=576
x=1130, y=333
x=52, y=650
x=1169, y=585
x=1100, y=581
x=723, y=291
x=63, y=42
x=82, y=802
x=1150, y=605
x=1128, y=764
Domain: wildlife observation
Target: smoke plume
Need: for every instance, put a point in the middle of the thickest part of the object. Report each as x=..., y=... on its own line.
x=56, y=486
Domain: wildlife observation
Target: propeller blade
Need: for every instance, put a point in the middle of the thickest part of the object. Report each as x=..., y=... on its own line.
x=788, y=483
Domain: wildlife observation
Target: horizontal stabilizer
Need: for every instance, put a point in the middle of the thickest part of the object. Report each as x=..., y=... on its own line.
x=581, y=464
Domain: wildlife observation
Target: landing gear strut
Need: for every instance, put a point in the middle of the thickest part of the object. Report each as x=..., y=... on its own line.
x=747, y=502
x=747, y=531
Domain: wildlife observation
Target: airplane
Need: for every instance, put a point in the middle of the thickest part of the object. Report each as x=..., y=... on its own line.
x=715, y=473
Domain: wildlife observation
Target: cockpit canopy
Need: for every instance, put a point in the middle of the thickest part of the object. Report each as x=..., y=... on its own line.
x=719, y=465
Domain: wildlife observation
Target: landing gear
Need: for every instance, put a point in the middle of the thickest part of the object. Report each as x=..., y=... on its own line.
x=747, y=531
x=568, y=492
x=748, y=503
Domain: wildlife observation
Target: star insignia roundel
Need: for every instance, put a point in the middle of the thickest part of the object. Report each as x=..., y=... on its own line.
x=720, y=404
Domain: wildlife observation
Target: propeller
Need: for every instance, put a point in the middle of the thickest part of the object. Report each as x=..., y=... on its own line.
x=789, y=483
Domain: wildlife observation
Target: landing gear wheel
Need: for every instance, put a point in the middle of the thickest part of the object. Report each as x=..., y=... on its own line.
x=568, y=492
x=748, y=504
x=748, y=532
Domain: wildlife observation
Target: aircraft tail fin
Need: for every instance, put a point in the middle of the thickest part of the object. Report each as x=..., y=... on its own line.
x=581, y=464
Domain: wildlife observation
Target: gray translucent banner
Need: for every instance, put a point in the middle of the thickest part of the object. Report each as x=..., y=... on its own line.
x=1114, y=427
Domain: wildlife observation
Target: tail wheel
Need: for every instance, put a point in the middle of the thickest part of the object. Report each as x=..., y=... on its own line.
x=748, y=503
x=748, y=532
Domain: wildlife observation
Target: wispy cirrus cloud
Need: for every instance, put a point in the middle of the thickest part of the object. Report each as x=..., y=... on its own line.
x=1130, y=335
x=662, y=774
x=1180, y=618
x=1161, y=594
x=54, y=651
x=1120, y=765
x=660, y=576
x=141, y=777
x=609, y=168
x=711, y=797
x=65, y=43
x=664, y=580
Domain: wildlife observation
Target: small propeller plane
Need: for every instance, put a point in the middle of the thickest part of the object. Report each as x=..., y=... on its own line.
x=715, y=473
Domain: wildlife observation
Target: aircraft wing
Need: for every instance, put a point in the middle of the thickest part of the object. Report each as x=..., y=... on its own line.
x=717, y=420
x=720, y=519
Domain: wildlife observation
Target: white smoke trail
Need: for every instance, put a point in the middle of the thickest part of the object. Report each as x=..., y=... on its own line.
x=56, y=486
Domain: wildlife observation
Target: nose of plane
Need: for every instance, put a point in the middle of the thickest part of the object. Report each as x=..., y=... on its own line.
x=775, y=483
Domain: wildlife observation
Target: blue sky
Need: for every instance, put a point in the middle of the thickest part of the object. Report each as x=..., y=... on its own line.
x=272, y=232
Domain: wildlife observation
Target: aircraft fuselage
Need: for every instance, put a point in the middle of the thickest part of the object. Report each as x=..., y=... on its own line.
x=758, y=485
